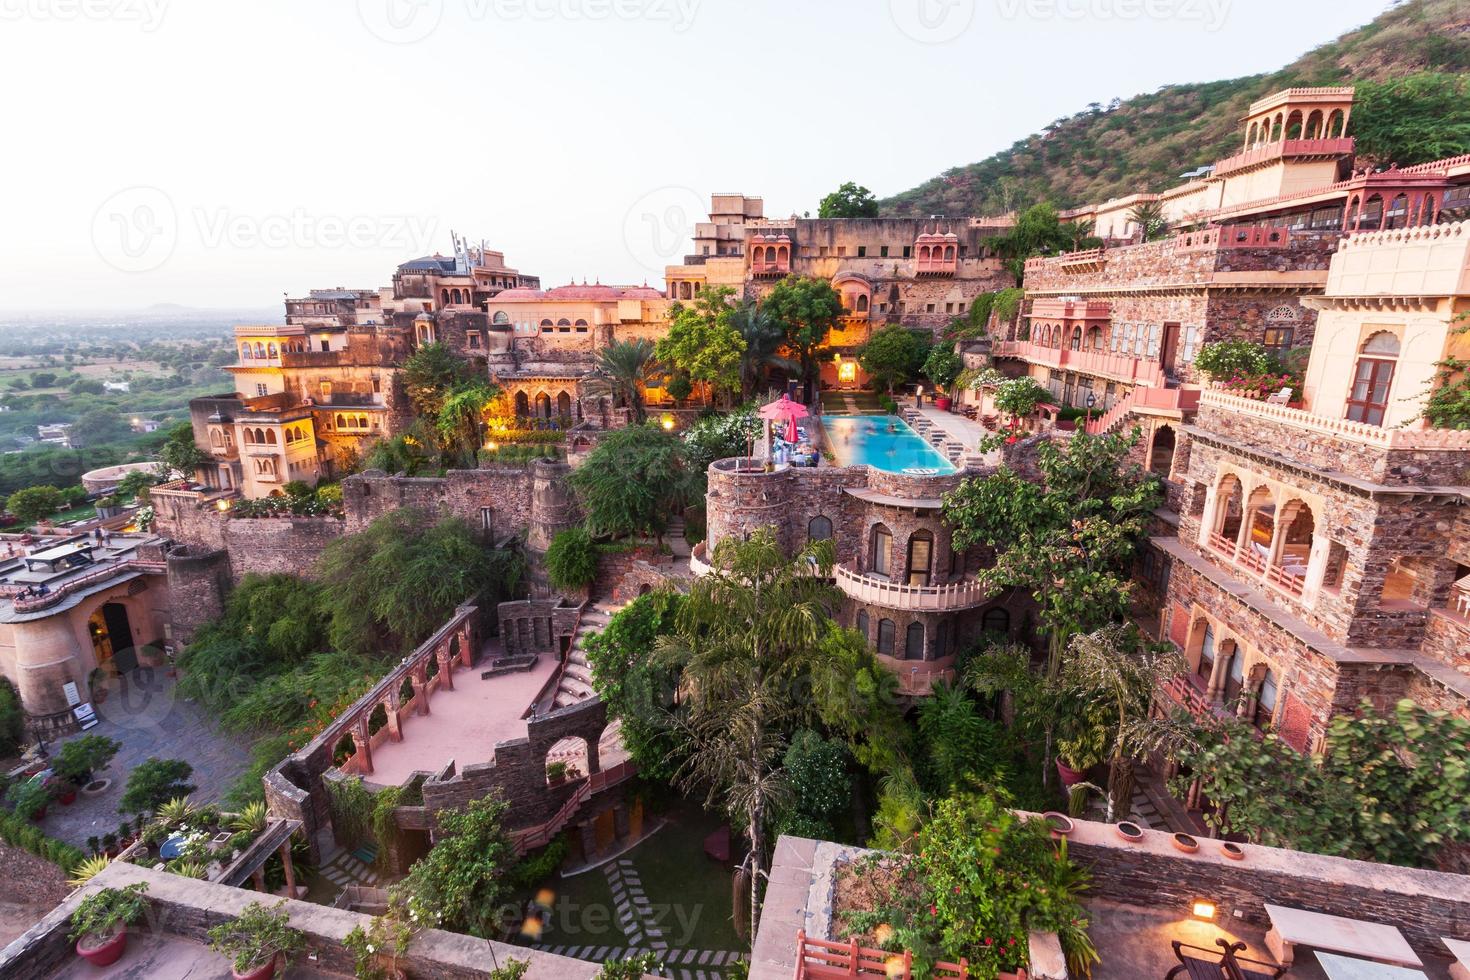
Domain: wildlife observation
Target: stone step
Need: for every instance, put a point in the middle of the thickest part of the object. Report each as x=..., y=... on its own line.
x=575, y=686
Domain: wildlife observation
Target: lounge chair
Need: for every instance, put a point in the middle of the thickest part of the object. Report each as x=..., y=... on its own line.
x=1198, y=963
x=1281, y=397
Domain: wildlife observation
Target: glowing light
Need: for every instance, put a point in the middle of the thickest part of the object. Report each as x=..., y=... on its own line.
x=894, y=966
x=223, y=504
x=668, y=423
x=492, y=446
x=546, y=897
x=1203, y=909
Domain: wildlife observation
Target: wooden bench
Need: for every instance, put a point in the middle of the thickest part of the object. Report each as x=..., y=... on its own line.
x=1197, y=963
x=1460, y=950
x=1369, y=940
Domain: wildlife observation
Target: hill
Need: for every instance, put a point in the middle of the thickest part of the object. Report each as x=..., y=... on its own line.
x=1412, y=65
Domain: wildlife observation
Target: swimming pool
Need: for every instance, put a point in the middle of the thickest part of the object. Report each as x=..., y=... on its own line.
x=884, y=442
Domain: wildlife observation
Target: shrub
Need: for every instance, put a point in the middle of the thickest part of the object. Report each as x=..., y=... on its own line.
x=571, y=560
x=28, y=798
x=942, y=366
x=103, y=913
x=12, y=720
x=34, y=503
x=256, y=936
x=20, y=832
x=153, y=783
x=1228, y=358
x=82, y=756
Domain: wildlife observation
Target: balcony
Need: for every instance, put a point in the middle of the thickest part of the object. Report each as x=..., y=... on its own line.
x=1283, y=149
x=1184, y=690
x=949, y=597
x=1115, y=367
x=1287, y=578
x=1374, y=436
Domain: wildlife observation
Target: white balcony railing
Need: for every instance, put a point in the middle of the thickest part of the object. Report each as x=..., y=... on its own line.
x=1361, y=432
x=918, y=598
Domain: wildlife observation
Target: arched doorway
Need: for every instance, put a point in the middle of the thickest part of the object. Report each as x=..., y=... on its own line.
x=1161, y=458
x=112, y=637
x=543, y=405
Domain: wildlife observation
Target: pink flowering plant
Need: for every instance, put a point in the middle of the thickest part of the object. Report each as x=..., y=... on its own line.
x=1262, y=385
x=977, y=880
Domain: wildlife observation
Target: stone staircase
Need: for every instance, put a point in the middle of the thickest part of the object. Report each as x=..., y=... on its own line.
x=949, y=447
x=576, y=677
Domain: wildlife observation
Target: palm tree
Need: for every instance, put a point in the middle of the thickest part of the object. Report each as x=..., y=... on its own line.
x=624, y=367
x=764, y=338
x=748, y=644
x=1149, y=216
x=1112, y=669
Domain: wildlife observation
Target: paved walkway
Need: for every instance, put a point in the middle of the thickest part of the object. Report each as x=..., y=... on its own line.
x=463, y=724
x=143, y=711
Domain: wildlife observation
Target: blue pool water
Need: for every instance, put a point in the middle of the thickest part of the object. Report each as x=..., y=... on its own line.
x=884, y=442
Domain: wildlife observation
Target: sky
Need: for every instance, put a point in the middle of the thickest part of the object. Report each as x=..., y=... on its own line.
x=219, y=154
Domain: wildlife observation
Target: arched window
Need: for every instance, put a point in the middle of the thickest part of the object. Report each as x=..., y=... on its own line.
x=341, y=422
x=362, y=422
x=1351, y=223
x=249, y=438
x=1372, y=217
x=1368, y=399
x=259, y=349
x=1205, y=668
x=1426, y=211
x=885, y=636
x=920, y=558
x=564, y=405
x=819, y=528
x=949, y=253
x=564, y=325
x=862, y=624
x=443, y=297
x=523, y=404
x=581, y=326
x=1397, y=215
x=1076, y=338
x=500, y=319
x=913, y=642
x=879, y=550
x=546, y=325
x=246, y=353
x=270, y=437
x=1265, y=700
x=1095, y=338
x=996, y=620
x=862, y=303
x=1314, y=125
x=271, y=350
x=1161, y=457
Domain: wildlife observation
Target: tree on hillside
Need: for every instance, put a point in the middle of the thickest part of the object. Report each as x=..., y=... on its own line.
x=430, y=374
x=1037, y=231
x=702, y=342
x=849, y=201
x=1150, y=219
x=748, y=647
x=179, y=454
x=807, y=309
x=893, y=356
x=624, y=368
x=634, y=480
x=764, y=337
x=33, y=503
x=1413, y=119
x=1068, y=539
x=461, y=421
x=135, y=484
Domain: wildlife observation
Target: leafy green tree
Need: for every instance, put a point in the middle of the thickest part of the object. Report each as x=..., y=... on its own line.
x=892, y=356
x=959, y=742
x=632, y=482
x=1019, y=397
x=388, y=587
x=720, y=436
x=942, y=366
x=155, y=782
x=849, y=201
x=135, y=484
x=179, y=454
x=624, y=369
x=43, y=379
x=410, y=453
x=806, y=309
x=430, y=374
x=747, y=644
x=702, y=342
x=637, y=690
x=33, y=503
x=465, y=878
x=1037, y=231
x=12, y=720
x=571, y=560
x=1069, y=539
x=820, y=784
x=1412, y=119
x=764, y=337
x=1150, y=219
x=461, y=421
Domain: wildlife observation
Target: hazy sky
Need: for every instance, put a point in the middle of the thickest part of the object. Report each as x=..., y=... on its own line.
x=221, y=154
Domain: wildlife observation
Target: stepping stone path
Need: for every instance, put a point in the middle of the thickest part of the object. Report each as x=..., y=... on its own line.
x=635, y=917
x=347, y=868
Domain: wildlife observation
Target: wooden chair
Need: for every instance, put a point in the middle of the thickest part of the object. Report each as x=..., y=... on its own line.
x=1197, y=963
x=1247, y=969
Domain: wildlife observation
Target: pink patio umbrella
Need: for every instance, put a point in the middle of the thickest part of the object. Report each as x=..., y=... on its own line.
x=784, y=409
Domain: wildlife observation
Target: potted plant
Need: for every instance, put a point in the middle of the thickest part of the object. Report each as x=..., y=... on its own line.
x=377, y=949
x=556, y=773
x=29, y=799
x=942, y=366
x=1082, y=744
x=107, y=506
x=62, y=790
x=77, y=760
x=99, y=926
x=257, y=941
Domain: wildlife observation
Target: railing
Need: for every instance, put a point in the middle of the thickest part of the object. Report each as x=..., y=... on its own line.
x=1342, y=145
x=1069, y=309
x=1370, y=435
x=530, y=838
x=1161, y=399
x=54, y=595
x=1119, y=367
x=926, y=598
x=823, y=960
x=1252, y=561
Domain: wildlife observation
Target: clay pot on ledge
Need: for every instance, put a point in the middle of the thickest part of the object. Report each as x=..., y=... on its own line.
x=1130, y=831
x=263, y=972
x=1058, y=823
x=1185, y=843
x=1232, y=850
x=103, y=951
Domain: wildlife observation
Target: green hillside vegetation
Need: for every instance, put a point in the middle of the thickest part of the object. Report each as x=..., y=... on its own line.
x=1409, y=65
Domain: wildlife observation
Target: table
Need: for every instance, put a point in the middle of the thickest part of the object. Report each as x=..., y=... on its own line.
x=1460, y=949
x=1291, y=927
x=1349, y=968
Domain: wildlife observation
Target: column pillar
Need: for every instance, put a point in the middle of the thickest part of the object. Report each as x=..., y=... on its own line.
x=361, y=739
x=392, y=706
x=1208, y=520
x=285, y=853
x=466, y=648
x=1316, y=568
x=258, y=877
x=421, y=689
x=446, y=669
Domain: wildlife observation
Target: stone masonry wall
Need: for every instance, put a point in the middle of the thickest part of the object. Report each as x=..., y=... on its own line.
x=197, y=582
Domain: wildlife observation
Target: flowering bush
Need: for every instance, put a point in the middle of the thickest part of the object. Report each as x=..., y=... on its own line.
x=1230, y=358
x=1261, y=385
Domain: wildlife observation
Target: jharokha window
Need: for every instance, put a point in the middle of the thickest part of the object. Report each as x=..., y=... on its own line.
x=1265, y=708
x=1206, y=666
x=921, y=553
x=1368, y=399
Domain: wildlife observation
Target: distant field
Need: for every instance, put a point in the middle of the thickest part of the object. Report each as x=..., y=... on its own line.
x=11, y=367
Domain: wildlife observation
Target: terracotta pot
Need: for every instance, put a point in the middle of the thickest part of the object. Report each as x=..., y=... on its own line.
x=67, y=798
x=1130, y=831
x=103, y=953
x=40, y=815
x=1233, y=851
x=942, y=403
x=259, y=973
x=1070, y=777
x=1058, y=823
x=1185, y=843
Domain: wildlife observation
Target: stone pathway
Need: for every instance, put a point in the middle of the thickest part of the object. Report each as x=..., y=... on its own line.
x=346, y=868
x=634, y=912
x=143, y=711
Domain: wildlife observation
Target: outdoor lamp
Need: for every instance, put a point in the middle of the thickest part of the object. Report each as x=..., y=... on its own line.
x=668, y=422
x=1203, y=909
